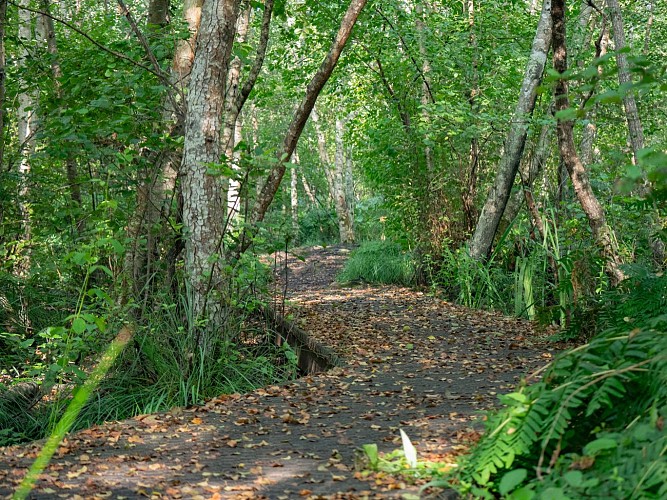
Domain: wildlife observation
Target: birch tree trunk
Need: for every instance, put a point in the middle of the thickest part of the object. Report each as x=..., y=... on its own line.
x=203, y=194
x=635, y=130
x=323, y=153
x=489, y=219
x=26, y=117
x=3, y=91
x=231, y=132
x=236, y=97
x=603, y=234
x=336, y=176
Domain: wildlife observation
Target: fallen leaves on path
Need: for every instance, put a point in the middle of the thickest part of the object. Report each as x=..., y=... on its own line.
x=413, y=362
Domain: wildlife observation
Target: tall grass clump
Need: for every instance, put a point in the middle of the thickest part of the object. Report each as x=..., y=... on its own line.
x=382, y=262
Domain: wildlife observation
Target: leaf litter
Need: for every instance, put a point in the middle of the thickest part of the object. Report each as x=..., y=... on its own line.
x=412, y=362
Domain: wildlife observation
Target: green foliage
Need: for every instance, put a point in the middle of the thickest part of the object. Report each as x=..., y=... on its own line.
x=318, y=226
x=470, y=282
x=592, y=427
x=379, y=262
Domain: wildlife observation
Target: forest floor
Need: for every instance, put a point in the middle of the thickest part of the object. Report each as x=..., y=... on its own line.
x=410, y=361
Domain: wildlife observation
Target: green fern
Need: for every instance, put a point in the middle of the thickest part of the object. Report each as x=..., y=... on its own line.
x=609, y=394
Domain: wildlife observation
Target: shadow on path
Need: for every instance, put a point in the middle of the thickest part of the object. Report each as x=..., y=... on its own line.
x=411, y=361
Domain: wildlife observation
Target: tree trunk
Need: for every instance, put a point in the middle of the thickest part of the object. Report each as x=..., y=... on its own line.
x=531, y=170
x=157, y=182
x=300, y=118
x=308, y=190
x=26, y=117
x=203, y=194
x=602, y=233
x=341, y=200
x=489, y=219
x=426, y=97
x=470, y=186
x=635, y=130
x=294, y=196
x=185, y=49
x=3, y=21
x=335, y=174
x=323, y=153
x=649, y=25
x=231, y=133
x=158, y=13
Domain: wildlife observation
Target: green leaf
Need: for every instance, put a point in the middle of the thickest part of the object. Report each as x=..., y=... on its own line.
x=525, y=493
x=554, y=494
x=511, y=480
x=517, y=396
x=566, y=114
x=574, y=478
x=27, y=342
x=599, y=445
x=371, y=451
x=78, y=325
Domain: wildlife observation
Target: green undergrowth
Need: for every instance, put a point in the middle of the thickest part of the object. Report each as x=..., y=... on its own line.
x=164, y=365
x=593, y=426
x=383, y=262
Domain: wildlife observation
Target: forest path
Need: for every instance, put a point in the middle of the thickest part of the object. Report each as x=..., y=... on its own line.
x=412, y=361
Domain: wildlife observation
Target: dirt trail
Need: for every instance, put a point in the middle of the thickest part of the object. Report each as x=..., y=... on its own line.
x=411, y=361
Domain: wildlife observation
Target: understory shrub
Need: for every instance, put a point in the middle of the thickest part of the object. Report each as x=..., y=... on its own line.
x=379, y=262
x=163, y=366
x=593, y=426
x=318, y=226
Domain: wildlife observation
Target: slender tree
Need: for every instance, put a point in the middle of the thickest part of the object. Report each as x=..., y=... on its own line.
x=3, y=20
x=635, y=130
x=602, y=233
x=26, y=123
x=489, y=218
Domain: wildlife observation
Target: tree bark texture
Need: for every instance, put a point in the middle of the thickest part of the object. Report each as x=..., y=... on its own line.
x=635, y=130
x=3, y=20
x=185, y=49
x=301, y=115
x=489, y=219
x=26, y=117
x=603, y=234
x=529, y=172
x=156, y=183
x=203, y=208
x=158, y=13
